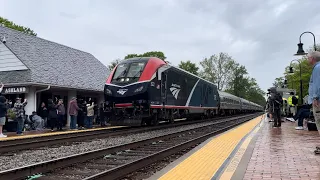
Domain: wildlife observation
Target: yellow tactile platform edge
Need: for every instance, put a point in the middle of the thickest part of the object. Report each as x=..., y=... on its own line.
x=205, y=162
x=234, y=163
x=56, y=133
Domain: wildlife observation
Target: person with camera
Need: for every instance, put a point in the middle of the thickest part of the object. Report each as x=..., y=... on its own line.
x=275, y=103
x=19, y=111
x=90, y=115
x=268, y=107
x=3, y=112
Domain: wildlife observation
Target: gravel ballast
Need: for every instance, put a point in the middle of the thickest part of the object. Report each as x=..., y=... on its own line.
x=29, y=157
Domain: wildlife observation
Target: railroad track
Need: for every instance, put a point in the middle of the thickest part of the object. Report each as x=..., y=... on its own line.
x=13, y=145
x=118, y=161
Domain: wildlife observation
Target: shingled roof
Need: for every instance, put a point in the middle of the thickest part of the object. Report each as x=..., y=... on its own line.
x=52, y=63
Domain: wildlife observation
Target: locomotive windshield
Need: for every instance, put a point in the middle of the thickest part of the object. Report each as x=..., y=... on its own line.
x=128, y=73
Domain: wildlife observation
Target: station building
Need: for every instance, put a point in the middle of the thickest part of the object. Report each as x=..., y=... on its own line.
x=37, y=70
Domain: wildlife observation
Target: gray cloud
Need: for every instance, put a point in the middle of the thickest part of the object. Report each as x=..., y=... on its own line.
x=262, y=35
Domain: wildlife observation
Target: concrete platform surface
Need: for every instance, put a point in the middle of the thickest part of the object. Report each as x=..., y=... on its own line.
x=48, y=132
x=211, y=157
x=284, y=153
x=252, y=151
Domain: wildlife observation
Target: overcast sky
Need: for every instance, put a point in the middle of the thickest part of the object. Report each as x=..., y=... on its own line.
x=260, y=34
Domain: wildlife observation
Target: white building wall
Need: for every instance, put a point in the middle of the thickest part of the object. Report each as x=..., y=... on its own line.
x=71, y=94
x=30, y=96
x=8, y=61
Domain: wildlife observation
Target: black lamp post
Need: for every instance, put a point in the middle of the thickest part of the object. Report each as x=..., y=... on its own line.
x=285, y=83
x=300, y=51
x=291, y=71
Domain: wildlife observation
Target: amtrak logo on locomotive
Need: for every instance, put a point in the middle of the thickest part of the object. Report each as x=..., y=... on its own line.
x=175, y=89
x=122, y=91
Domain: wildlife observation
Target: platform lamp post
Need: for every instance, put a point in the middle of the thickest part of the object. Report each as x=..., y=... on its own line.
x=300, y=51
x=291, y=72
x=285, y=83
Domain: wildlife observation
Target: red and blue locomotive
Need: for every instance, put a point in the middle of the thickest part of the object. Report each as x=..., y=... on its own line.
x=146, y=90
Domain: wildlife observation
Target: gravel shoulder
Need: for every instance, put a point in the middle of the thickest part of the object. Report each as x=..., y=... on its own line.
x=28, y=157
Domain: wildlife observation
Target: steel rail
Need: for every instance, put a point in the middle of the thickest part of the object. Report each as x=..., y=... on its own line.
x=130, y=167
x=46, y=166
x=42, y=141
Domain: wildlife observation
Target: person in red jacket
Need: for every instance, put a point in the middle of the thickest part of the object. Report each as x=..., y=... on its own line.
x=73, y=112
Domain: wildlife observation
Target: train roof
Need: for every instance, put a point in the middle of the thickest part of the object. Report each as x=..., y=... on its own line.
x=225, y=94
x=135, y=59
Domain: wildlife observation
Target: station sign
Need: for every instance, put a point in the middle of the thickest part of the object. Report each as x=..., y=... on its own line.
x=15, y=90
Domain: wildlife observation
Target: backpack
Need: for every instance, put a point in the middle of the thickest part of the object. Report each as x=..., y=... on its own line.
x=294, y=100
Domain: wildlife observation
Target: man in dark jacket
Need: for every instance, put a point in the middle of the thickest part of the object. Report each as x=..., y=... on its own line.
x=61, y=113
x=275, y=103
x=3, y=112
x=52, y=114
x=82, y=114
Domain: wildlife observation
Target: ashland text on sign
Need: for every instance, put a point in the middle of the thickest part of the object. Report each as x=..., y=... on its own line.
x=15, y=90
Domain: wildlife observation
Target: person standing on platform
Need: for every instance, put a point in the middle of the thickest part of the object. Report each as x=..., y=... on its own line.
x=43, y=113
x=3, y=112
x=19, y=111
x=268, y=107
x=90, y=115
x=52, y=114
x=73, y=112
x=82, y=113
x=61, y=113
x=314, y=89
x=292, y=102
x=275, y=103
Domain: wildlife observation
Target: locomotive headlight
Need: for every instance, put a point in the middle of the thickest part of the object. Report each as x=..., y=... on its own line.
x=139, y=89
x=108, y=91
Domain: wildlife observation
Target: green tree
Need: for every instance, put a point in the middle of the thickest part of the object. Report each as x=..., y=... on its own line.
x=113, y=64
x=157, y=54
x=278, y=82
x=189, y=66
x=217, y=69
x=243, y=86
x=254, y=93
x=10, y=24
x=132, y=56
x=239, y=81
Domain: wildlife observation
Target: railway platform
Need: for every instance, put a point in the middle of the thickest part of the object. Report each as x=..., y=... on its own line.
x=253, y=151
x=48, y=132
